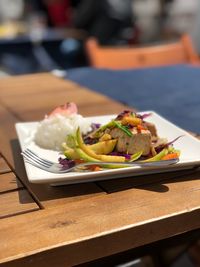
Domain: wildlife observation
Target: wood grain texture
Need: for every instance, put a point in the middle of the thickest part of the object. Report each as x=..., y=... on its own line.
x=7, y=133
x=52, y=92
x=114, y=223
x=16, y=202
x=9, y=182
x=4, y=166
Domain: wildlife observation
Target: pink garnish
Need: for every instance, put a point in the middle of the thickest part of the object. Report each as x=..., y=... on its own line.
x=66, y=109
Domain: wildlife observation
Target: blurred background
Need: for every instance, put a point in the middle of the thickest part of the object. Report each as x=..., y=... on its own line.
x=43, y=35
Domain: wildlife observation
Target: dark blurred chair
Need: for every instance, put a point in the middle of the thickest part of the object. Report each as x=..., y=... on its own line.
x=180, y=52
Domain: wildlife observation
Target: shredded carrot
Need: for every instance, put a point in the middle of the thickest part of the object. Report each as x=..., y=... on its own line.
x=170, y=156
x=97, y=168
x=140, y=127
x=94, y=168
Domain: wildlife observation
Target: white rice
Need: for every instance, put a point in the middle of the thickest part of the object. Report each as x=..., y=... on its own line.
x=52, y=131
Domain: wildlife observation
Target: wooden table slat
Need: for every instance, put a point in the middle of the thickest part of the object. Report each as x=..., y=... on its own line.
x=8, y=182
x=47, y=102
x=4, y=168
x=22, y=85
x=7, y=133
x=16, y=202
x=75, y=223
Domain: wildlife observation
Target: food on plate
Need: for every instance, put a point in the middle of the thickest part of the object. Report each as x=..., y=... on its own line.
x=128, y=137
x=61, y=122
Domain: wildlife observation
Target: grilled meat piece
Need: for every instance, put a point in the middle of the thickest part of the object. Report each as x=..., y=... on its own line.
x=138, y=142
x=151, y=127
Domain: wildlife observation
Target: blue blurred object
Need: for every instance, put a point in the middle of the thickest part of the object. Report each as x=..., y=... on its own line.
x=16, y=64
x=69, y=45
x=173, y=91
x=70, y=49
x=24, y=54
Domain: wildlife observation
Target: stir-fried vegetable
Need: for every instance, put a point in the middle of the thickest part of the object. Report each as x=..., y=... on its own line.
x=114, y=141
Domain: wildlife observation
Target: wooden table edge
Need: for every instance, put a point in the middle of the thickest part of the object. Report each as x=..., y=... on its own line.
x=69, y=249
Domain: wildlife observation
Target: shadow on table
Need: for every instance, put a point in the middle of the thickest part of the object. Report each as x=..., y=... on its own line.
x=152, y=182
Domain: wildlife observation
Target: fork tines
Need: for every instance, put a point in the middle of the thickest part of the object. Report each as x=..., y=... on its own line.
x=30, y=156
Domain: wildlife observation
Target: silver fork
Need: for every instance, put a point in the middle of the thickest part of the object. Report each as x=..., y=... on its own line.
x=49, y=166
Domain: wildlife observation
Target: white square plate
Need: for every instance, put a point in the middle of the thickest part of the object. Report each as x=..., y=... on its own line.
x=189, y=146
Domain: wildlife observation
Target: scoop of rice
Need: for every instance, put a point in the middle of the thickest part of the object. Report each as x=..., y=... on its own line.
x=52, y=131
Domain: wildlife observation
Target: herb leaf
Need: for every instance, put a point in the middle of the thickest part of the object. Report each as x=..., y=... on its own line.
x=123, y=128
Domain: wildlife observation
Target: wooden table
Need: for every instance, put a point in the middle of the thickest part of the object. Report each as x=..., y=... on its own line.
x=69, y=225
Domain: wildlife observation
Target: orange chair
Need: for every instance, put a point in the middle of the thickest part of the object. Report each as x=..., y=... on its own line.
x=178, y=52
